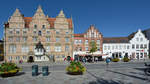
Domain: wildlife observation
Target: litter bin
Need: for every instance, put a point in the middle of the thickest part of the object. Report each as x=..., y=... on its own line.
x=45, y=70
x=34, y=70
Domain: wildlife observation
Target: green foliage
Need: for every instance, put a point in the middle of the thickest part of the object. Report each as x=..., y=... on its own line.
x=8, y=68
x=115, y=59
x=93, y=47
x=126, y=59
x=75, y=67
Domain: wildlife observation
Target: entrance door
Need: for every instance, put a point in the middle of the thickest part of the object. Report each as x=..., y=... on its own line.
x=30, y=59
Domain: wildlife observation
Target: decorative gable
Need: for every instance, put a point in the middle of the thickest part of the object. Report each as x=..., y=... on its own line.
x=16, y=20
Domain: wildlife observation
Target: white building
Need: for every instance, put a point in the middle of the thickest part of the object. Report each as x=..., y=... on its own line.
x=134, y=47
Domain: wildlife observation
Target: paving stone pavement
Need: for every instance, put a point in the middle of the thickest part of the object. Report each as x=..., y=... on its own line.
x=97, y=76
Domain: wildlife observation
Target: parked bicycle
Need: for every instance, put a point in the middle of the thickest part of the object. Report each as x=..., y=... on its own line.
x=147, y=70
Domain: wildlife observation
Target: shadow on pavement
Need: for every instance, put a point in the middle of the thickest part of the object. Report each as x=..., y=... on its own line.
x=127, y=75
x=103, y=81
x=17, y=74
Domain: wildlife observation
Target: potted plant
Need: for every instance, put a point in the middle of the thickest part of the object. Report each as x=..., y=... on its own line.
x=126, y=59
x=8, y=69
x=75, y=68
x=115, y=59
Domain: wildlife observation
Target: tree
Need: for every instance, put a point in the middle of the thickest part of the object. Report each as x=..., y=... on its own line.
x=93, y=47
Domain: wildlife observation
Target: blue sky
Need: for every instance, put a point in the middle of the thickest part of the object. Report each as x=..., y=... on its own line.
x=114, y=18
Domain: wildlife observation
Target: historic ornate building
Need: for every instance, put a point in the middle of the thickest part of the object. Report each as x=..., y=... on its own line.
x=23, y=35
x=82, y=43
x=135, y=46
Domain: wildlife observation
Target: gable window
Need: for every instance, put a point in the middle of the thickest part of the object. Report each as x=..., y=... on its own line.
x=40, y=33
x=43, y=26
x=137, y=39
x=137, y=46
x=35, y=26
x=133, y=46
x=141, y=39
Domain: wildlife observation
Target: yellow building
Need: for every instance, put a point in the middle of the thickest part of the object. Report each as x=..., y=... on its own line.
x=24, y=35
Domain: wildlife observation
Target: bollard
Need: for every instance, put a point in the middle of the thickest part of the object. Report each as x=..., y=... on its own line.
x=45, y=70
x=35, y=70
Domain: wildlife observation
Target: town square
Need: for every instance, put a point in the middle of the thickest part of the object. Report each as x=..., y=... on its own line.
x=75, y=42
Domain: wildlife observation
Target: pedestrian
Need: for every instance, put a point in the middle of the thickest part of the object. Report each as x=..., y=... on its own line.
x=107, y=61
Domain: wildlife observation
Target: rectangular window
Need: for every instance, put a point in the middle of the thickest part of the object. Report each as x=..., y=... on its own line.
x=17, y=39
x=48, y=39
x=24, y=57
x=47, y=48
x=98, y=48
x=24, y=39
x=48, y=32
x=137, y=46
x=10, y=32
x=133, y=46
x=67, y=32
x=80, y=41
x=57, y=39
x=57, y=32
x=86, y=42
x=25, y=48
x=34, y=32
x=18, y=58
x=10, y=39
x=58, y=48
x=67, y=39
x=141, y=46
x=43, y=26
x=40, y=33
x=34, y=39
x=17, y=32
x=12, y=48
x=145, y=46
x=24, y=32
x=67, y=48
x=98, y=42
x=86, y=48
x=128, y=47
x=10, y=58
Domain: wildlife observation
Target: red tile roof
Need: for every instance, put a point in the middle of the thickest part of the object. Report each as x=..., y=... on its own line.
x=115, y=40
x=50, y=20
x=78, y=35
